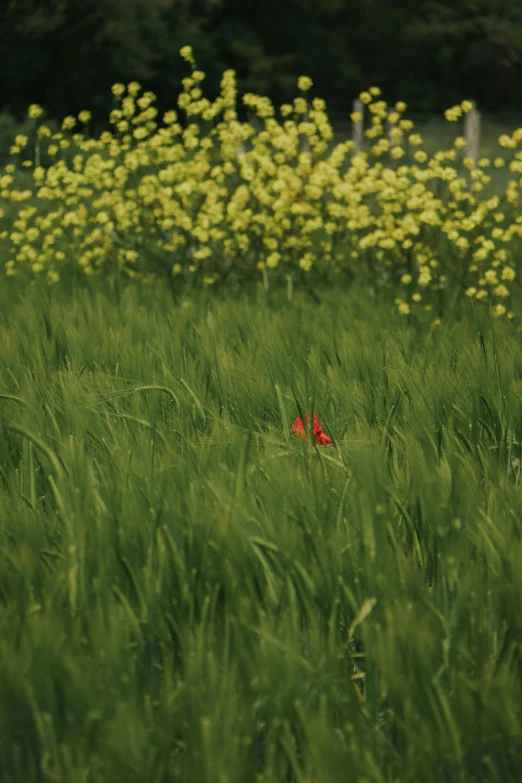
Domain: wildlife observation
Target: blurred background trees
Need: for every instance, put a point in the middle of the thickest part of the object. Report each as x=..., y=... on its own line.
x=65, y=54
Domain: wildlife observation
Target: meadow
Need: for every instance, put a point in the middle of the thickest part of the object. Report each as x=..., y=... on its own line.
x=260, y=448
x=190, y=593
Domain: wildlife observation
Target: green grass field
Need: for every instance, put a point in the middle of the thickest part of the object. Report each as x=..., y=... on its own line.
x=188, y=593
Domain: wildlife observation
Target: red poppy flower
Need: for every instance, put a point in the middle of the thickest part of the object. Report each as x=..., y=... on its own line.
x=299, y=431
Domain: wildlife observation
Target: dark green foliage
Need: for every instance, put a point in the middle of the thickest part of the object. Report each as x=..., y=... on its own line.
x=65, y=54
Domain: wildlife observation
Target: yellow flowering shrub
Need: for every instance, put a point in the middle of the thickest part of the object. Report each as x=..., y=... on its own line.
x=201, y=196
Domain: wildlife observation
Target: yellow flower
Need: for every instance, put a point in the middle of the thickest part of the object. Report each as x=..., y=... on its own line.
x=118, y=90
x=508, y=273
x=404, y=308
x=299, y=106
x=453, y=114
x=304, y=83
x=34, y=111
x=506, y=141
x=501, y=291
x=417, y=297
x=499, y=310
x=306, y=262
x=186, y=54
x=84, y=116
x=406, y=279
x=133, y=88
x=466, y=106
x=170, y=117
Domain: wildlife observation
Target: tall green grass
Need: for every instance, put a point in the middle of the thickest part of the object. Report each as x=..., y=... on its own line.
x=187, y=593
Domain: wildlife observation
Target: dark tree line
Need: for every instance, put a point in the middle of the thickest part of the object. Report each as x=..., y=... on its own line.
x=65, y=54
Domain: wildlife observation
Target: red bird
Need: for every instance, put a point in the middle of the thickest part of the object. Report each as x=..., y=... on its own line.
x=299, y=431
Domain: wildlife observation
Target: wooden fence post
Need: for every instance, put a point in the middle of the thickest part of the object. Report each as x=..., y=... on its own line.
x=358, y=127
x=472, y=133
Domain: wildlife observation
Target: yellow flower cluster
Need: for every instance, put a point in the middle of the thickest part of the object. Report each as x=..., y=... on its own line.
x=206, y=195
